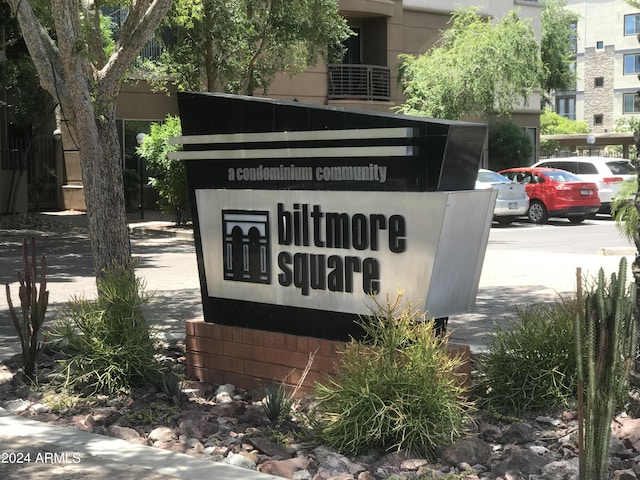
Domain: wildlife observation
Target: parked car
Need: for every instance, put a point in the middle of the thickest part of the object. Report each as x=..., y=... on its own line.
x=512, y=201
x=607, y=173
x=555, y=193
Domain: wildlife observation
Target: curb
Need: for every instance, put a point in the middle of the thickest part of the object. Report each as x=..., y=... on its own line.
x=162, y=229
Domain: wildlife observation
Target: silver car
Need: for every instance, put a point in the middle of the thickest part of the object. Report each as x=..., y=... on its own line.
x=512, y=201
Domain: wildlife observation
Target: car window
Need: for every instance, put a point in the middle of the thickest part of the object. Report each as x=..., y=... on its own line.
x=562, y=176
x=585, y=168
x=492, y=177
x=621, y=168
x=561, y=164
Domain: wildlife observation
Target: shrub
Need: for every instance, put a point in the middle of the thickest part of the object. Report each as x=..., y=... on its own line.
x=169, y=177
x=531, y=364
x=509, y=146
x=276, y=403
x=110, y=343
x=396, y=389
x=624, y=211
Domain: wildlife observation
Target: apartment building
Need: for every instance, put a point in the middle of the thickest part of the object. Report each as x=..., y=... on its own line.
x=366, y=78
x=607, y=64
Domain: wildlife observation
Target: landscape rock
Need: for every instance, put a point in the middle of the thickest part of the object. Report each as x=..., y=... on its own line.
x=518, y=433
x=238, y=460
x=285, y=468
x=470, y=449
x=520, y=461
x=162, y=434
x=126, y=433
x=272, y=449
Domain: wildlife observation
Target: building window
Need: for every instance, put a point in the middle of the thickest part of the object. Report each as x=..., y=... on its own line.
x=598, y=119
x=630, y=103
x=632, y=64
x=599, y=44
x=573, y=37
x=566, y=107
x=598, y=82
x=632, y=24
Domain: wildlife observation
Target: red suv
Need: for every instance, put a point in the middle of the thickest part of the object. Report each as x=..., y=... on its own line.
x=555, y=193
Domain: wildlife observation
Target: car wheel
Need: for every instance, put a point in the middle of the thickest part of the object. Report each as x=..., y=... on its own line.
x=505, y=220
x=537, y=212
x=577, y=218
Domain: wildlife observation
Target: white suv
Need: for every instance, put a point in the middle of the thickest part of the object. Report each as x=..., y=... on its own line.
x=606, y=172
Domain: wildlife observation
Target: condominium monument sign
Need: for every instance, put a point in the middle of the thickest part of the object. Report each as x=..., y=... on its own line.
x=303, y=213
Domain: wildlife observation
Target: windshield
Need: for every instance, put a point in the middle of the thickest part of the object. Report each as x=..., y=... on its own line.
x=492, y=177
x=621, y=168
x=562, y=176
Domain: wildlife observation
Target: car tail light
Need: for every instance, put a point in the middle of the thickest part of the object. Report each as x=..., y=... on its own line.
x=612, y=179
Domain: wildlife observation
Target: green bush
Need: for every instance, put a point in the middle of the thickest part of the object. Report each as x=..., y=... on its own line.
x=169, y=177
x=624, y=211
x=110, y=344
x=509, y=146
x=531, y=365
x=396, y=389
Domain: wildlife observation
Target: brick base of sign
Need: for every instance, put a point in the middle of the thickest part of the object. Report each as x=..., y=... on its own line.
x=251, y=359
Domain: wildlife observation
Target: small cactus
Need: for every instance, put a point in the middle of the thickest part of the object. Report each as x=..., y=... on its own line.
x=33, y=304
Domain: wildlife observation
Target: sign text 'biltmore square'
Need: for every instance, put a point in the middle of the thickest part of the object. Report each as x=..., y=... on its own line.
x=309, y=226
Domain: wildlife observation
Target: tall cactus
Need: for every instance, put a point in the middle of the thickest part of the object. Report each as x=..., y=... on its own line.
x=606, y=343
x=33, y=303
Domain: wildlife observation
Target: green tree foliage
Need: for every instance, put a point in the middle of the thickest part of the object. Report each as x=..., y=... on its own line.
x=509, y=145
x=239, y=46
x=553, y=124
x=169, y=176
x=556, y=47
x=26, y=102
x=477, y=68
x=625, y=125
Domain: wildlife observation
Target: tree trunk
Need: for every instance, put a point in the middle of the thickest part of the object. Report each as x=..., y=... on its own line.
x=104, y=195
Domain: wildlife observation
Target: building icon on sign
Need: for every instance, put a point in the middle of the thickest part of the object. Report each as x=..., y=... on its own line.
x=246, y=248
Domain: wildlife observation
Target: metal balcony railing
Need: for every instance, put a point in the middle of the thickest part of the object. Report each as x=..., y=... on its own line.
x=359, y=82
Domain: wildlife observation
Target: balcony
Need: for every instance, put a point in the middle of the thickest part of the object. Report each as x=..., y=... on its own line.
x=359, y=82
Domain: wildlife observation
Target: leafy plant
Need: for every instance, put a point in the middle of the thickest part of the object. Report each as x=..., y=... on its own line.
x=34, y=300
x=276, y=403
x=531, y=364
x=111, y=343
x=625, y=212
x=609, y=348
x=509, y=145
x=396, y=389
x=170, y=176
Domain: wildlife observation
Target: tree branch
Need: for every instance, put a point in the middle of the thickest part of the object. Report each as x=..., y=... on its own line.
x=42, y=48
x=143, y=19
